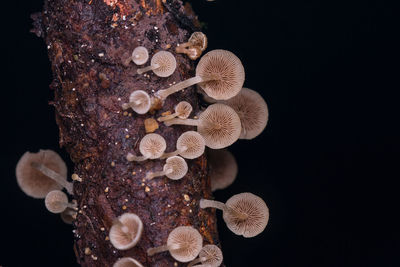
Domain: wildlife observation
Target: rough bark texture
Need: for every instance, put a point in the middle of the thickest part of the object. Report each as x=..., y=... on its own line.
x=87, y=41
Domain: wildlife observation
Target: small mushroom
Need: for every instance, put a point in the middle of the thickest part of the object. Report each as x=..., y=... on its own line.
x=219, y=73
x=184, y=244
x=223, y=168
x=139, y=101
x=210, y=255
x=127, y=262
x=182, y=110
x=56, y=201
x=244, y=214
x=126, y=231
x=140, y=55
x=68, y=215
x=218, y=124
x=196, y=44
x=189, y=145
x=152, y=146
x=39, y=173
x=175, y=168
x=252, y=111
x=163, y=64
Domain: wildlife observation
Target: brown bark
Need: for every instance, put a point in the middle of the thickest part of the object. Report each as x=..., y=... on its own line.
x=87, y=41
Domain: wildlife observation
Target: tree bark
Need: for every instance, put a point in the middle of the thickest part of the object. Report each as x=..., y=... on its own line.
x=87, y=42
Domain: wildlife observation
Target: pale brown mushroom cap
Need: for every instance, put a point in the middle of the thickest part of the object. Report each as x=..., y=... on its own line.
x=175, y=167
x=166, y=62
x=213, y=254
x=184, y=109
x=152, y=146
x=31, y=181
x=191, y=145
x=127, y=262
x=219, y=125
x=193, y=52
x=223, y=73
x=198, y=39
x=253, y=207
x=68, y=215
x=126, y=240
x=223, y=168
x=144, y=99
x=252, y=111
x=140, y=55
x=56, y=201
x=189, y=241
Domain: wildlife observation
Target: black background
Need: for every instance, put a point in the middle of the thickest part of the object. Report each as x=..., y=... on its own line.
x=327, y=164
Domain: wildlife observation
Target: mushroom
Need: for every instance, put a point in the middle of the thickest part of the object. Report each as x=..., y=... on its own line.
x=127, y=262
x=152, y=146
x=126, y=231
x=223, y=168
x=139, y=101
x=219, y=73
x=140, y=55
x=245, y=214
x=189, y=145
x=56, y=201
x=163, y=64
x=68, y=215
x=252, y=111
x=182, y=110
x=193, y=52
x=174, y=168
x=218, y=124
x=210, y=255
x=197, y=41
x=39, y=173
x=184, y=244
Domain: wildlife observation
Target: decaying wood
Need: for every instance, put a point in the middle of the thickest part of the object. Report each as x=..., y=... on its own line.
x=87, y=42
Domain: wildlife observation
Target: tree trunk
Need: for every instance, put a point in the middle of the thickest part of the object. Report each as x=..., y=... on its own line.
x=87, y=42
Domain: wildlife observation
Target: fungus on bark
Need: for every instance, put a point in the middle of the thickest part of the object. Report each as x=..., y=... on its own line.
x=184, y=244
x=126, y=231
x=210, y=255
x=163, y=64
x=182, y=111
x=127, y=262
x=252, y=111
x=223, y=168
x=219, y=73
x=152, y=146
x=189, y=145
x=193, y=48
x=39, y=173
x=244, y=214
x=175, y=168
x=139, y=101
x=56, y=201
x=219, y=125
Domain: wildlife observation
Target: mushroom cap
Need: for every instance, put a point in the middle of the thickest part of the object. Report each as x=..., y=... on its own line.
x=56, y=201
x=213, y=254
x=31, y=181
x=178, y=166
x=251, y=205
x=184, y=109
x=127, y=262
x=66, y=216
x=198, y=39
x=191, y=144
x=252, y=111
x=152, y=146
x=225, y=71
x=223, y=168
x=189, y=241
x=194, y=52
x=145, y=101
x=166, y=62
x=219, y=125
x=140, y=55
x=126, y=240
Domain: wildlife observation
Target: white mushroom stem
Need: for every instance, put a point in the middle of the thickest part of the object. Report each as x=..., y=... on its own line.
x=189, y=122
x=168, y=117
x=148, y=68
x=163, y=94
x=174, y=153
x=54, y=176
x=131, y=157
x=198, y=260
x=131, y=104
x=206, y=203
x=151, y=175
x=152, y=251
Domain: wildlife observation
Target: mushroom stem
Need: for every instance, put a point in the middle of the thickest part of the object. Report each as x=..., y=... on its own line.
x=168, y=117
x=148, y=68
x=182, y=47
x=189, y=122
x=163, y=94
x=170, y=154
x=131, y=157
x=53, y=175
x=206, y=203
x=152, y=251
x=152, y=175
x=198, y=260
